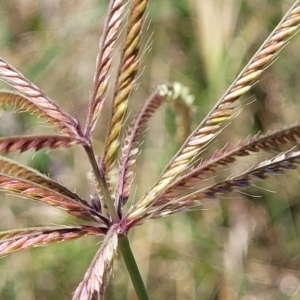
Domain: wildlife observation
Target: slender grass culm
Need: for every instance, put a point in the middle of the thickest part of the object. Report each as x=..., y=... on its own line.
x=191, y=179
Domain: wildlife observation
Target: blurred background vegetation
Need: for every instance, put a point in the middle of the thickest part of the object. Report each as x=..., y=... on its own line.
x=244, y=247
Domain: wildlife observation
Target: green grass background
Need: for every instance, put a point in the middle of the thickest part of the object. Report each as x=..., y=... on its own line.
x=243, y=247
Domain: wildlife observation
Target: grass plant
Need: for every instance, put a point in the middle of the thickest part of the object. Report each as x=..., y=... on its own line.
x=190, y=179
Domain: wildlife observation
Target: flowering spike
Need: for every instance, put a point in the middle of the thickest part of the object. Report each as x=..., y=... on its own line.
x=36, y=142
x=132, y=142
x=97, y=276
x=34, y=191
x=225, y=107
x=130, y=62
x=104, y=60
x=16, y=170
x=15, y=240
x=31, y=92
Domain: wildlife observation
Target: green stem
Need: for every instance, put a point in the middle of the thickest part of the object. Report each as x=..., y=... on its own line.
x=102, y=182
x=132, y=268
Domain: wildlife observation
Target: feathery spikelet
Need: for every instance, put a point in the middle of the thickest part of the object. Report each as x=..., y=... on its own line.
x=104, y=59
x=132, y=142
x=126, y=80
x=21, y=104
x=277, y=165
x=13, y=169
x=177, y=95
x=98, y=200
x=31, y=190
x=31, y=92
x=285, y=161
x=176, y=190
x=268, y=143
x=96, y=278
x=15, y=240
x=225, y=107
x=36, y=142
x=187, y=183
